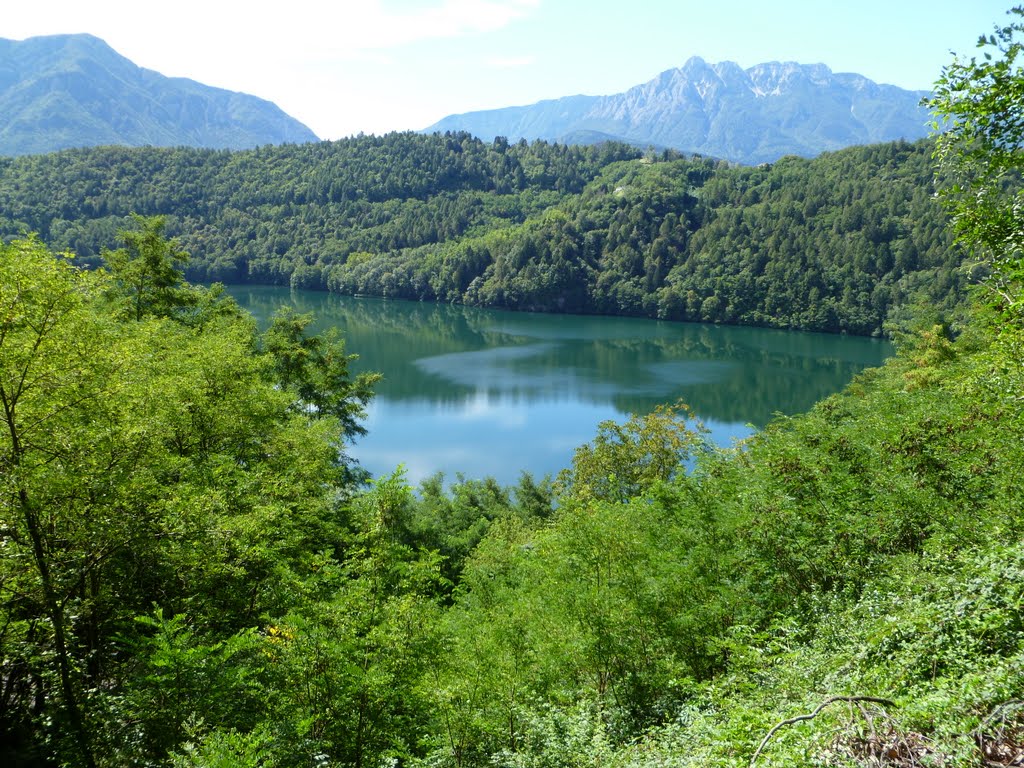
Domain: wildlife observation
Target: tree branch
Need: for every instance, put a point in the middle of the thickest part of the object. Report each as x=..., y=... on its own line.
x=813, y=714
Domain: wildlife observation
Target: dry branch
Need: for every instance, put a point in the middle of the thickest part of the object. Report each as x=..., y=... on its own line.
x=813, y=714
x=1002, y=746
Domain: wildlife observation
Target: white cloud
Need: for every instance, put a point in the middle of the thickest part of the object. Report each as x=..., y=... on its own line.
x=230, y=37
x=319, y=29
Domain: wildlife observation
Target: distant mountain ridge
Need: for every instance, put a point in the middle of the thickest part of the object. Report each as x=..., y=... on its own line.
x=748, y=116
x=62, y=91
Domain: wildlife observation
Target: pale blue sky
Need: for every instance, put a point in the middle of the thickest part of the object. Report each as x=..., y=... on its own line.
x=373, y=66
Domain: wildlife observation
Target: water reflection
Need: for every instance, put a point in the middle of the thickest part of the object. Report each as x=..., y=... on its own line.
x=490, y=392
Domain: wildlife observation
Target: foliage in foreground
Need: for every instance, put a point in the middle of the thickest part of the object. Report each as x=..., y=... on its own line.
x=163, y=490
x=192, y=575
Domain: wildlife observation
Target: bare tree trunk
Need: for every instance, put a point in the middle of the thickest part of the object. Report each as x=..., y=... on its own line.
x=55, y=613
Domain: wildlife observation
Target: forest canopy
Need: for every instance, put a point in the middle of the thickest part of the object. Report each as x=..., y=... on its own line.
x=194, y=574
x=841, y=243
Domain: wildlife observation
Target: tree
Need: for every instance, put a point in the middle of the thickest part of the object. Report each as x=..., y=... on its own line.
x=147, y=467
x=104, y=496
x=979, y=104
x=346, y=668
x=48, y=373
x=148, y=271
x=315, y=369
x=982, y=154
x=626, y=460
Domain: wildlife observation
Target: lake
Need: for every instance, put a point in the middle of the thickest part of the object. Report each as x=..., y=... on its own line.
x=488, y=392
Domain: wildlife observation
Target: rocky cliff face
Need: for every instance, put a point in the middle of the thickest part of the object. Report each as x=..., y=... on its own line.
x=749, y=116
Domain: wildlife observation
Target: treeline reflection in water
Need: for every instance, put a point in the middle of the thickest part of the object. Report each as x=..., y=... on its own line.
x=507, y=391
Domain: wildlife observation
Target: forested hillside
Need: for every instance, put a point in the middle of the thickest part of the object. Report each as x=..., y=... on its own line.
x=838, y=243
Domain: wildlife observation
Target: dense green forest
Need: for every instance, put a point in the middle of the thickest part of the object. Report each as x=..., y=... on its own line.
x=194, y=574
x=839, y=243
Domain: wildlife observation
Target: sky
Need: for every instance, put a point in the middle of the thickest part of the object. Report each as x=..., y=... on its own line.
x=345, y=67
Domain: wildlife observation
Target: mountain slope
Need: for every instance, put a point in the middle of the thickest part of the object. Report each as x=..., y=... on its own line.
x=748, y=116
x=838, y=243
x=65, y=91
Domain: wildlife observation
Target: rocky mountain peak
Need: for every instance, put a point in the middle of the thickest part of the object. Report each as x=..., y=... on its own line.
x=751, y=115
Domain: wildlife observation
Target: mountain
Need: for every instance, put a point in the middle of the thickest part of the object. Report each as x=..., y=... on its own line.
x=63, y=91
x=749, y=116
